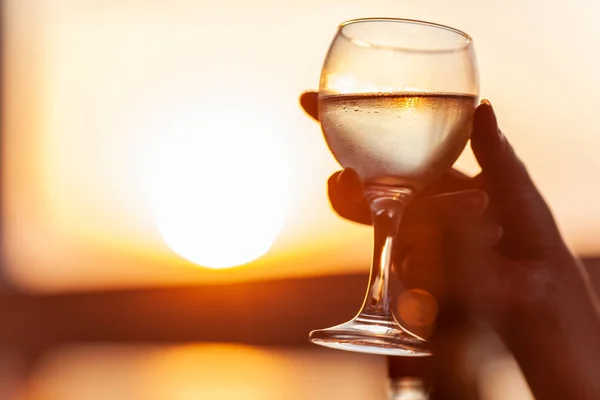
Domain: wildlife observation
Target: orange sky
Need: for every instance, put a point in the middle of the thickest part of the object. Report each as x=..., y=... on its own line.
x=91, y=90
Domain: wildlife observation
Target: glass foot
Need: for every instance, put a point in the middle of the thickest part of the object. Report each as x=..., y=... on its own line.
x=373, y=336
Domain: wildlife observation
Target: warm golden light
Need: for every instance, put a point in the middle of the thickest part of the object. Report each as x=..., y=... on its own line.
x=205, y=371
x=217, y=180
x=81, y=84
x=417, y=309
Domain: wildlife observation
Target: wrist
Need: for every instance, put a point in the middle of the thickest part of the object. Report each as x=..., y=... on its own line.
x=553, y=330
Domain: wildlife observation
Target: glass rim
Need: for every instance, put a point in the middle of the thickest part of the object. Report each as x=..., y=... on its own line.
x=466, y=36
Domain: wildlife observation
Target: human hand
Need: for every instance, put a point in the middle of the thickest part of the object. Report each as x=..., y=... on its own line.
x=524, y=278
x=529, y=232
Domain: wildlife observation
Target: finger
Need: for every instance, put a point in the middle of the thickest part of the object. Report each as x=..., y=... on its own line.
x=309, y=102
x=495, y=155
x=458, y=250
x=452, y=181
x=531, y=231
x=472, y=261
x=447, y=205
x=428, y=218
x=425, y=217
x=420, y=267
x=346, y=197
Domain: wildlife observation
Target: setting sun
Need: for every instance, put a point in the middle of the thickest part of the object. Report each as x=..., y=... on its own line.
x=217, y=182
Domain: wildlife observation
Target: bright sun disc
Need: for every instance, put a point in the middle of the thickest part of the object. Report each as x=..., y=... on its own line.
x=218, y=184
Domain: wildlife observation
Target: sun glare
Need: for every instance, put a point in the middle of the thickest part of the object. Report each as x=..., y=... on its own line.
x=218, y=183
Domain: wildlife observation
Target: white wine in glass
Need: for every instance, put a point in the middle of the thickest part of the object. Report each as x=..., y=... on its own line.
x=396, y=103
x=397, y=139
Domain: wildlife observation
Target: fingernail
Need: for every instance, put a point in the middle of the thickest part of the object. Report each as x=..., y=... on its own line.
x=487, y=103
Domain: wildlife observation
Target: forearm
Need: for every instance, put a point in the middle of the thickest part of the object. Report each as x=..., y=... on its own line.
x=557, y=340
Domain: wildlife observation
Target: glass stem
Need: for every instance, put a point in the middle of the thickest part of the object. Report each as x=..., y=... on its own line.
x=387, y=207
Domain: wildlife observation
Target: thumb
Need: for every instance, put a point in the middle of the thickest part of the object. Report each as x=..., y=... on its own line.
x=495, y=155
x=530, y=229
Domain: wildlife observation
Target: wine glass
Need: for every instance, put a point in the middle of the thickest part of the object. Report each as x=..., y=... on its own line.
x=396, y=104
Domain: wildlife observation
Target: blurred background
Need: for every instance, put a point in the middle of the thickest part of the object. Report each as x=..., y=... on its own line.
x=165, y=226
